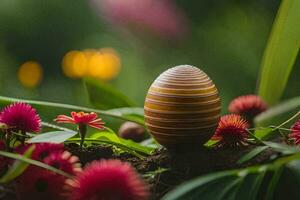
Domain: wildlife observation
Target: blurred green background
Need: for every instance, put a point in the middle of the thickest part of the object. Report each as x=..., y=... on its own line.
x=226, y=39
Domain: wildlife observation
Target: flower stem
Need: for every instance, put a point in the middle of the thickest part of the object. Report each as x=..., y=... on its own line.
x=82, y=132
x=7, y=141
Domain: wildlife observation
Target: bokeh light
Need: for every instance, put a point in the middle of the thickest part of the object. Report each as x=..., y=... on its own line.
x=30, y=74
x=74, y=64
x=104, y=64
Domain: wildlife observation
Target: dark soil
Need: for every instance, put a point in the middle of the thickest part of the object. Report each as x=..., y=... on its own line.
x=180, y=166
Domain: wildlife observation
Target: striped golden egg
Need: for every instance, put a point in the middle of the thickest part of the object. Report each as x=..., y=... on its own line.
x=182, y=107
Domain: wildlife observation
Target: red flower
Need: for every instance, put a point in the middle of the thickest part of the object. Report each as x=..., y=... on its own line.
x=248, y=106
x=21, y=117
x=38, y=183
x=64, y=161
x=41, y=150
x=295, y=133
x=231, y=131
x=109, y=179
x=81, y=118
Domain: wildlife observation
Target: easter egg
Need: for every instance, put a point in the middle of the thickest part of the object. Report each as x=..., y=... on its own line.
x=182, y=107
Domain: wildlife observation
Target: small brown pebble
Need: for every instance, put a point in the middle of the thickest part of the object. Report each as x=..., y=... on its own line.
x=133, y=131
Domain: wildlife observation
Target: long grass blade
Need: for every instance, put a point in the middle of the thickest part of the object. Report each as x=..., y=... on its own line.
x=281, y=52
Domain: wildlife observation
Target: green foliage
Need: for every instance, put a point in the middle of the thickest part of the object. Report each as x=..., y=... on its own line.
x=55, y=127
x=282, y=115
x=134, y=114
x=104, y=96
x=128, y=114
x=264, y=132
x=151, y=142
x=257, y=182
x=53, y=137
x=155, y=173
x=282, y=148
x=112, y=139
x=281, y=52
x=17, y=168
x=252, y=154
x=279, y=113
x=107, y=136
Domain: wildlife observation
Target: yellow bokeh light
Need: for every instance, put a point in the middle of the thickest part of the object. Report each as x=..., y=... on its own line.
x=90, y=52
x=103, y=64
x=94, y=64
x=75, y=64
x=30, y=74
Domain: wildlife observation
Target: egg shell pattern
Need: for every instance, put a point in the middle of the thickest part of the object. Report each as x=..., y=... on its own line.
x=182, y=107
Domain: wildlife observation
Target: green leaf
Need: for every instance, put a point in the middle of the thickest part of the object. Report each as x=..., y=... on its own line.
x=128, y=114
x=34, y=162
x=53, y=137
x=252, y=154
x=228, y=192
x=134, y=114
x=210, y=143
x=256, y=182
x=263, y=132
x=104, y=96
x=52, y=126
x=282, y=148
x=17, y=168
x=126, y=145
x=251, y=184
x=183, y=191
x=279, y=113
x=151, y=142
x=281, y=52
x=153, y=174
x=273, y=183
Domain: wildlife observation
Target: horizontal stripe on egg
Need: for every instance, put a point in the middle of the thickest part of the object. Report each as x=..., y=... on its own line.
x=184, y=92
x=198, y=105
x=187, y=99
x=180, y=124
x=181, y=115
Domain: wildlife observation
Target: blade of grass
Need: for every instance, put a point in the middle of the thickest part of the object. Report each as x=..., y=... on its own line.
x=17, y=168
x=115, y=113
x=252, y=154
x=34, y=162
x=278, y=113
x=49, y=125
x=281, y=52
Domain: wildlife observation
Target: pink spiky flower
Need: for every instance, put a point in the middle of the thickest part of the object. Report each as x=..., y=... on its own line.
x=64, y=161
x=37, y=183
x=83, y=120
x=231, y=131
x=247, y=106
x=21, y=117
x=108, y=179
x=41, y=150
x=295, y=133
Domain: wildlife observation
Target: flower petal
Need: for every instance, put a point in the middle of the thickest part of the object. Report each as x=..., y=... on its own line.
x=64, y=119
